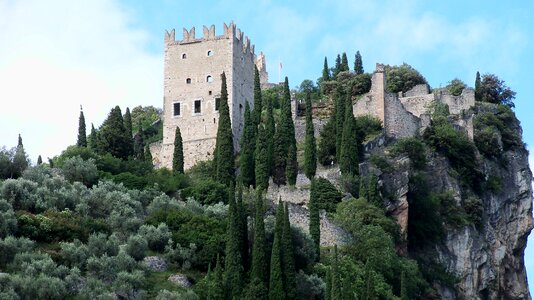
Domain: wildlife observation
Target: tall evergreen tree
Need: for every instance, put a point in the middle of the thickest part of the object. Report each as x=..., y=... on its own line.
x=374, y=194
x=148, y=154
x=92, y=140
x=112, y=136
x=269, y=135
x=337, y=67
x=256, y=114
x=339, y=109
x=20, y=160
x=178, y=154
x=310, y=148
x=328, y=288
x=288, y=257
x=243, y=228
x=260, y=265
x=139, y=145
x=403, y=290
x=336, y=282
x=477, y=88
x=82, y=137
x=281, y=138
x=276, y=280
x=364, y=188
x=216, y=287
x=348, y=159
x=344, y=62
x=19, y=143
x=248, y=145
x=127, y=119
x=261, y=165
x=315, y=222
x=358, y=64
x=233, y=268
x=224, y=145
x=326, y=70
x=291, y=165
x=39, y=160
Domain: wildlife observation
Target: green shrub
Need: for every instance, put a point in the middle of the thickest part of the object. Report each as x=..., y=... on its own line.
x=497, y=131
x=10, y=246
x=475, y=209
x=456, y=86
x=77, y=169
x=8, y=221
x=157, y=237
x=167, y=181
x=402, y=78
x=381, y=163
x=136, y=246
x=73, y=151
x=414, y=148
x=207, y=192
x=130, y=180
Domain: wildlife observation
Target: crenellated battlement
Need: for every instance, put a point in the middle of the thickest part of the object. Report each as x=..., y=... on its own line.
x=209, y=34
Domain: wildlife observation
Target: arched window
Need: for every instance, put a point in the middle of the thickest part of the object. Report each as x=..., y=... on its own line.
x=209, y=78
x=210, y=53
x=188, y=81
x=184, y=56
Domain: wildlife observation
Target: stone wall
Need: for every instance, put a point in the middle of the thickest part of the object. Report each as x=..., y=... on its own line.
x=418, y=105
x=457, y=104
x=300, y=128
x=399, y=122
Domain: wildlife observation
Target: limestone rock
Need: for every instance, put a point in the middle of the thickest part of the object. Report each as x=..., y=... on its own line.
x=155, y=263
x=180, y=280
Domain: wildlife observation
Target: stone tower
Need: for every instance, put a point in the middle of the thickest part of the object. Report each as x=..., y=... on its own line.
x=192, y=87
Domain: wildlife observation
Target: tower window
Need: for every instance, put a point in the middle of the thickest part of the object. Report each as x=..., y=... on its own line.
x=210, y=53
x=184, y=56
x=209, y=93
x=217, y=103
x=176, y=109
x=197, y=106
x=188, y=81
x=209, y=78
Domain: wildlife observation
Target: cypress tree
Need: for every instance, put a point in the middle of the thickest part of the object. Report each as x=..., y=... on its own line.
x=19, y=143
x=403, y=290
x=39, y=160
x=328, y=289
x=368, y=293
x=326, y=71
x=261, y=165
x=336, y=284
x=112, y=137
x=337, y=67
x=92, y=141
x=127, y=119
x=477, y=88
x=281, y=138
x=20, y=160
x=288, y=257
x=339, y=109
x=310, y=148
x=243, y=228
x=276, y=284
x=358, y=65
x=248, y=145
x=82, y=137
x=291, y=165
x=260, y=267
x=256, y=115
x=224, y=145
x=216, y=288
x=139, y=145
x=348, y=160
x=315, y=222
x=269, y=135
x=178, y=154
x=364, y=188
x=256, y=290
x=374, y=195
x=344, y=62
x=233, y=269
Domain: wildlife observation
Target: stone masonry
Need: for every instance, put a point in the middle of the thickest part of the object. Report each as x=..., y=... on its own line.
x=192, y=85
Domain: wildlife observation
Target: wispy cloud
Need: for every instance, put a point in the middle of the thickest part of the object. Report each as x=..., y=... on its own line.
x=56, y=56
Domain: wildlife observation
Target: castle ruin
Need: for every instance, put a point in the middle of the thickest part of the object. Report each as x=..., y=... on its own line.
x=192, y=87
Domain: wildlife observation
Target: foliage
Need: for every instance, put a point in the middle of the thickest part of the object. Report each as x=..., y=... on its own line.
x=458, y=148
x=288, y=255
x=139, y=146
x=144, y=116
x=77, y=169
x=262, y=165
x=178, y=154
x=276, y=280
x=325, y=194
x=292, y=165
x=207, y=192
x=112, y=136
x=8, y=221
x=11, y=246
x=233, y=269
x=315, y=222
x=413, y=148
x=478, y=83
x=136, y=246
x=248, y=146
x=310, y=148
x=496, y=132
x=456, y=87
x=157, y=237
x=494, y=90
x=348, y=156
x=82, y=137
x=260, y=265
x=402, y=78
x=224, y=145
x=326, y=150
x=358, y=65
x=258, y=104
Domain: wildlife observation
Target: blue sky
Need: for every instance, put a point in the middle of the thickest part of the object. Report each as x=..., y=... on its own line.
x=57, y=55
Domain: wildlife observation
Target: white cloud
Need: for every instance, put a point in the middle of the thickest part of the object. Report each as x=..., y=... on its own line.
x=56, y=56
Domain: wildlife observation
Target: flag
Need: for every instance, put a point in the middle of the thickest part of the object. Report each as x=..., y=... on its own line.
x=280, y=65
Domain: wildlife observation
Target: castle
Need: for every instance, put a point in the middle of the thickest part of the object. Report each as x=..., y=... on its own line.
x=192, y=69
x=192, y=86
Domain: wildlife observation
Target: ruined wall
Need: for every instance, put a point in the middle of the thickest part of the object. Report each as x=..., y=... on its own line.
x=457, y=104
x=417, y=100
x=372, y=103
x=192, y=70
x=399, y=122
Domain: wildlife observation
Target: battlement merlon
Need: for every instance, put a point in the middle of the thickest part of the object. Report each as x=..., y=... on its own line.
x=230, y=31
